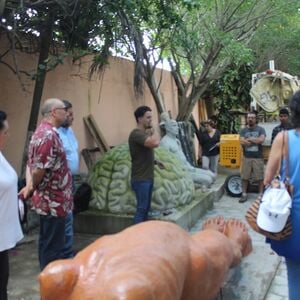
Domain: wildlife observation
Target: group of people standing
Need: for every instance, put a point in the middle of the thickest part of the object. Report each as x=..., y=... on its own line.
x=283, y=151
x=52, y=160
x=142, y=142
x=252, y=136
x=290, y=148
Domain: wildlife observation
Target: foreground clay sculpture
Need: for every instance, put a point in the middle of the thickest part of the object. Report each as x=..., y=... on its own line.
x=152, y=260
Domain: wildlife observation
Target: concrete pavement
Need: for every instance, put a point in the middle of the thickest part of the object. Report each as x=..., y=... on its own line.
x=261, y=276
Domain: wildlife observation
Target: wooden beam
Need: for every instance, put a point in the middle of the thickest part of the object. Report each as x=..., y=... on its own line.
x=96, y=133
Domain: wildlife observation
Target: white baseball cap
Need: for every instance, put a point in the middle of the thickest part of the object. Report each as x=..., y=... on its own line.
x=274, y=210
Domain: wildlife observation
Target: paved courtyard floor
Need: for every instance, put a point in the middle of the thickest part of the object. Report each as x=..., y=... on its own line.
x=261, y=276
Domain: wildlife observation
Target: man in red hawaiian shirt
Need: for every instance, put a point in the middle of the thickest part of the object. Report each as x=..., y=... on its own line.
x=51, y=181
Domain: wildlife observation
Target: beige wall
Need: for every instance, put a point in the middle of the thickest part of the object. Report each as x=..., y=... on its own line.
x=109, y=98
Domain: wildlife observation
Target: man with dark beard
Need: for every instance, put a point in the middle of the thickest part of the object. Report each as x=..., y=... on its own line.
x=142, y=142
x=251, y=138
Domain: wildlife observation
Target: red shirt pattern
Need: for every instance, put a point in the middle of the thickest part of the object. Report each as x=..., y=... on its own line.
x=54, y=193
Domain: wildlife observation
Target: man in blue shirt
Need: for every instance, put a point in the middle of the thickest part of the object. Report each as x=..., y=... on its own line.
x=70, y=144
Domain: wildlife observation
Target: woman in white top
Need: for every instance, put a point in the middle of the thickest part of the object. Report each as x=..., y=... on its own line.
x=10, y=228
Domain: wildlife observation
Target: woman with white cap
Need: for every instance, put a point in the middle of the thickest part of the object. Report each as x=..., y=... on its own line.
x=289, y=248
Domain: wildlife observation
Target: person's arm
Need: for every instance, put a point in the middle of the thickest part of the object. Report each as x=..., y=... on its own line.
x=257, y=140
x=218, y=138
x=151, y=141
x=244, y=141
x=37, y=176
x=27, y=190
x=274, y=160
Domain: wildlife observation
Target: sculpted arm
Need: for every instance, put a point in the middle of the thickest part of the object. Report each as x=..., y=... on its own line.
x=200, y=151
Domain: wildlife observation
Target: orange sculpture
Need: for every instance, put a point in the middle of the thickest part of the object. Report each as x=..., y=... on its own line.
x=152, y=260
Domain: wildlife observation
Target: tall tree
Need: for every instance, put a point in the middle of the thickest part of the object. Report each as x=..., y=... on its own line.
x=278, y=40
x=211, y=38
x=200, y=39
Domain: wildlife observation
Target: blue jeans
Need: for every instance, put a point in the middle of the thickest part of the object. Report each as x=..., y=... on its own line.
x=143, y=192
x=293, y=271
x=68, y=249
x=51, y=239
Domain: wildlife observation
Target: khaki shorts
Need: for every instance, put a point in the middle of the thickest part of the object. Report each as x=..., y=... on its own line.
x=252, y=168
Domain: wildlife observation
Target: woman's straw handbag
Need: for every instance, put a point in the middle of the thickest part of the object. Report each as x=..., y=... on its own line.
x=263, y=207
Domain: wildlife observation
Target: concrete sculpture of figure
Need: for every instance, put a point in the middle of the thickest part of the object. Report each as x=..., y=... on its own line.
x=152, y=260
x=172, y=143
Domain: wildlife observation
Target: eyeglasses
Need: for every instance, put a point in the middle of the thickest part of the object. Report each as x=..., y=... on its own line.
x=64, y=108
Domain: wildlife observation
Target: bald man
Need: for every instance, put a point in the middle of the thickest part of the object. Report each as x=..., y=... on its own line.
x=51, y=181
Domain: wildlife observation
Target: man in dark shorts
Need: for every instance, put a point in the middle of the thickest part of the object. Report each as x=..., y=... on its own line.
x=251, y=138
x=142, y=142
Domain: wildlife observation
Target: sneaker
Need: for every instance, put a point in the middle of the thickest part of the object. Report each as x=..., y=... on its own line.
x=243, y=199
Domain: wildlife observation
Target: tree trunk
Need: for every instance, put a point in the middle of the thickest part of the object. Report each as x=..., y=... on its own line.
x=2, y=6
x=187, y=104
x=45, y=42
x=155, y=92
x=183, y=104
x=209, y=103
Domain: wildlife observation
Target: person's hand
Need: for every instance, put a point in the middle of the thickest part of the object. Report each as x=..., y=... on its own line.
x=252, y=140
x=25, y=192
x=150, y=131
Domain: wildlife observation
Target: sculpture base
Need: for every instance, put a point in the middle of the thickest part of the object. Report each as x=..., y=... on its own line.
x=95, y=222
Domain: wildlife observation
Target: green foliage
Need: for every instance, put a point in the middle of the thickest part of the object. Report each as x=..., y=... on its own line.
x=199, y=38
x=278, y=40
x=76, y=25
x=230, y=95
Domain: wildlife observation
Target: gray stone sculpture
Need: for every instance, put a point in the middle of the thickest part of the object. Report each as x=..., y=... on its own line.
x=170, y=142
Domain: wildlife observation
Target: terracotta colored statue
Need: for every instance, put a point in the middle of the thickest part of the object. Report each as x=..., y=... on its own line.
x=152, y=260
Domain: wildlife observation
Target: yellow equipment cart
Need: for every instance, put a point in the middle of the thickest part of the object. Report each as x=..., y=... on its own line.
x=231, y=157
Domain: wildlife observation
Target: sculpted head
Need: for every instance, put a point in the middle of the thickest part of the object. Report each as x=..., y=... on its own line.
x=172, y=127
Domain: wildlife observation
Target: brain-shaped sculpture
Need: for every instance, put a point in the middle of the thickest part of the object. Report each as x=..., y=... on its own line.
x=110, y=182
